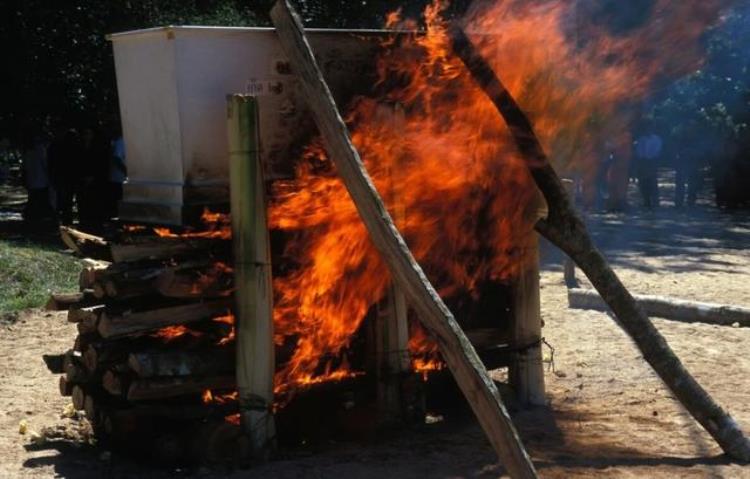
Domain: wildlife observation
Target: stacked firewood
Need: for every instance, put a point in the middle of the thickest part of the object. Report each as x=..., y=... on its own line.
x=154, y=355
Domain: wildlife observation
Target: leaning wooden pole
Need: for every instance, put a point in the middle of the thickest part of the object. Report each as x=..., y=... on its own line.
x=252, y=274
x=459, y=354
x=564, y=228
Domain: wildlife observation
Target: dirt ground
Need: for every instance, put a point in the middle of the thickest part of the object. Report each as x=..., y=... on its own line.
x=608, y=414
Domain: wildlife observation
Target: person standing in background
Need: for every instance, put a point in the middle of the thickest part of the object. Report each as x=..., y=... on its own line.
x=118, y=173
x=92, y=193
x=64, y=157
x=36, y=179
x=647, y=152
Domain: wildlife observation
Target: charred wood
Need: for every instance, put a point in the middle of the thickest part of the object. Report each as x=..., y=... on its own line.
x=160, y=388
x=148, y=321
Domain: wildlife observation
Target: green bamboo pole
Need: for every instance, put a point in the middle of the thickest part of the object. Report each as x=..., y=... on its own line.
x=252, y=274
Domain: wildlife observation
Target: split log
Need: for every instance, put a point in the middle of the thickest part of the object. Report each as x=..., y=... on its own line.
x=148, y=321
x=459, y=354
x=565, y=229
x=101, y=355
x=90, y=408
x=162, y=388
x=165, y=248
x=65, y=301
x=74, y=371
x=55, y=362
x=78, y=396
x=185, y=284
x=84, y=244
x=90, y=314
x=182, y=363
x=114, y=383
x=127, y=289
x=91, y=272
x=89, y=324
x=668, y=308
x=66, y=388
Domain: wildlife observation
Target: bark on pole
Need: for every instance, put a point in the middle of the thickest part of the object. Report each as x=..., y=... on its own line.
x=564, y=228
x=459, y=354
x=252, y=269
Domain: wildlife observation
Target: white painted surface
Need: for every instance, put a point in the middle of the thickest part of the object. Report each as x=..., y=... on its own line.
x=173, y=83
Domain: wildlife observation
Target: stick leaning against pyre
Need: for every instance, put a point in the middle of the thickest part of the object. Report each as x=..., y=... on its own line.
x=459, y=354
x=565, y=229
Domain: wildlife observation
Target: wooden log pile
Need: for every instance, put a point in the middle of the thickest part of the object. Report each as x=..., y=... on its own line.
x=154, y=355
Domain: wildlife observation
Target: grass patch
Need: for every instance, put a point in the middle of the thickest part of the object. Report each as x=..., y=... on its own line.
x=29, y=272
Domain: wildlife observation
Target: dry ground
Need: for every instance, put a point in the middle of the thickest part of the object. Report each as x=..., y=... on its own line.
x=609, y=416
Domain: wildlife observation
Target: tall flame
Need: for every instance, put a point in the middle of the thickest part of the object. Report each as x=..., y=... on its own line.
x=445, y=165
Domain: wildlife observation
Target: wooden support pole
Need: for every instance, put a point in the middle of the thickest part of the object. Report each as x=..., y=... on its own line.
x=392, y=328
x=252, y=274
x=527, y=372
x=565, y=229
x=459, y=354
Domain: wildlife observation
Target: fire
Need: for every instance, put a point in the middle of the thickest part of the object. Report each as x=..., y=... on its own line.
x=446, y=166
x=217, y=226
x=208, y=397
x=170, y=333
x=424, y=352
x=230, y=320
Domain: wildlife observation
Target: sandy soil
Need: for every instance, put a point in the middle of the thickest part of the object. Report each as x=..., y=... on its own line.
x=609, y=416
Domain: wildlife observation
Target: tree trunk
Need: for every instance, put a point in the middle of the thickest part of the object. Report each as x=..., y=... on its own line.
x=565, y=229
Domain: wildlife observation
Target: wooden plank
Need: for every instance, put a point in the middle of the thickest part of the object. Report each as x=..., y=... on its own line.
x=84, y=244
x=462, y=359
x=143, y=322
x=252, y=274
x=566, y=230
x=668, y=308
x=162, y=388
x=182, y=363
x=65, y=301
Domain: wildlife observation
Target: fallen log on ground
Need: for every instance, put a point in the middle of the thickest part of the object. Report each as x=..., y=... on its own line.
x=459, y=354
x=668, y=308
x=565, y=229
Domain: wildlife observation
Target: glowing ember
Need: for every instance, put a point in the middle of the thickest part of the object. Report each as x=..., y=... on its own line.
x=217, y=226
x=444, y=162
x=170, y=333
x=424, y=352
x=209, y=397
x=233, y=419
x=230, y=320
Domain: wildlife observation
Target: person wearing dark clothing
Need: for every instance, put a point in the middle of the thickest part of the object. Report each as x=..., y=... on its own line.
x=118, y=172
x=36, y=179
x=64, y=155
x=689, y=172
x=647, y=152
x=92, y=193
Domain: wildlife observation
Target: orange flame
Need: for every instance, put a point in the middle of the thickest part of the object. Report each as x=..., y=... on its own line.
x=170, y=333
x=230, y=320
x=218, y=226
x=209, y=397
x=444, y=162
